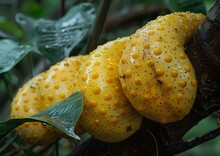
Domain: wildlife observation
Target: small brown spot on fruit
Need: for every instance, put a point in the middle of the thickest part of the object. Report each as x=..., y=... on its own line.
x=88, y=63
x=133, y=93
x=159, y=72
x=135, y=55
x=114, y=120
x=160, y=39
x=123, y=60
x=97, y=122
x=26, y=100
x=107, y=96
x=182, y=55
x=128, y=128
x=187, y=68
x=150, y=33
x=146, y=45
x=193, y=83
x=96, y=90
x=146, y=98
x=174, y=73
x=84, y=77
x=128, y=73
x=182, y=83
x=95, y=75
x=57, y=86
x=64, y=78
x=157, y=51
x=92, y=103
x=133, y=43
x=108, y=79
x=168, y=58
x=122, y=111
x=160, y=28
x=110, y=67
x=150, y=63
x=83, y=89
x=26, y=108
x=117, y=88
x=174, y=48
x=140, y=109
x=116, y=103
x=62, y=95
x=124, y=86
x=97, y=63
x=50, y=96
x=47, y=85
x=54, y=76
x=102, y=111
x=179, y=96
x=137, y=81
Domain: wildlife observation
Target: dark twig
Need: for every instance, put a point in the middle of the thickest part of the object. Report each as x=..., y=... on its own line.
x=42, y=149
x=62, y=8
x=57, y=147
x=30, y=66
x=184, y=146
x=98, y=25
x=8, y=143
x=9, y=86
x=127, y=16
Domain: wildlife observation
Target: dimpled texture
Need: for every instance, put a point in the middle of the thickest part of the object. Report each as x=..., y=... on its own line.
x=26, y=104
x=107, y=113
x=156, y=74
x=57, y=84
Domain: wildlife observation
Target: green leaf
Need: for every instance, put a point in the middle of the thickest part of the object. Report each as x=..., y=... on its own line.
x=62, y=115
x=196, y=6
x=39, y=9
x=56, y=39
x=10, y=28
x=11, y=53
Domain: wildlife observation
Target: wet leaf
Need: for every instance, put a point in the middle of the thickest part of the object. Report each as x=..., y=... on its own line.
x=11, y=53
x=56, y=39
x=62, y=115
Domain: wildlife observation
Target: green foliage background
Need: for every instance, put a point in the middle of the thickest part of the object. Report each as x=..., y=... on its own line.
x=34, y=63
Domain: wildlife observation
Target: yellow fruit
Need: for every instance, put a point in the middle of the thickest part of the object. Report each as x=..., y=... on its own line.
x=26, y=104
x=107, y=114
x=58, y=84
x=156, y=74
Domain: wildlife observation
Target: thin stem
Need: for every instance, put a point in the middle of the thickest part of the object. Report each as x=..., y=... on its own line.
x=184, y=146
x=62, y=8
x=57, y=147
x=8, y=85
x=98, y=25
x=30, y=65
x=156, y=143
x=7, y=144
x=26, y=66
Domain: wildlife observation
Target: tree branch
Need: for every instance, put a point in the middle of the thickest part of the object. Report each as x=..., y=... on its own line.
x=184, y=146
x=98, y=25
x=126, y=16
x=62, y=8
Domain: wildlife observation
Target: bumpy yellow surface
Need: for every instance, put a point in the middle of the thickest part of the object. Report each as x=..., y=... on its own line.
x=26, y=104
x=107, y=114
x=40, y=93
x=58, y=83
x=155, y=73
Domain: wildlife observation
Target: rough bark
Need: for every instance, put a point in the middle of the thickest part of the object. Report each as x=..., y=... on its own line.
x=165, y=139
